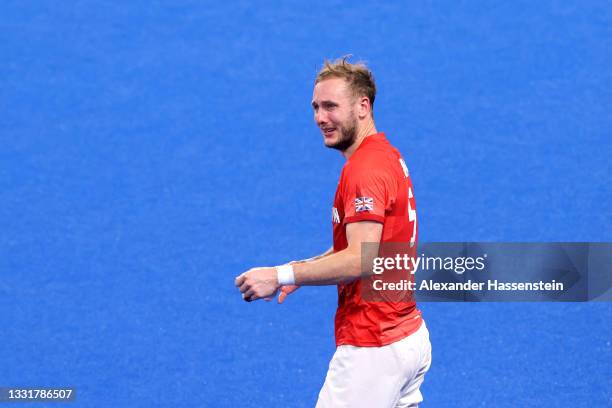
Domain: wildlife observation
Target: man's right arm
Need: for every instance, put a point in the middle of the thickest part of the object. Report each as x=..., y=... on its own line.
x=286, y=290
x=314, y=258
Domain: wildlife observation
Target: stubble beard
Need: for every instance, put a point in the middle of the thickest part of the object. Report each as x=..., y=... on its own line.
x=348, y=134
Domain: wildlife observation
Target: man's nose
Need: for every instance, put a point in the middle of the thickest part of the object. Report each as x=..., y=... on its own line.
x=320, y=117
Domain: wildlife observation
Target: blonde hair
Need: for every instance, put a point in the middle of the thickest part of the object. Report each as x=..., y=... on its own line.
x=359, y=78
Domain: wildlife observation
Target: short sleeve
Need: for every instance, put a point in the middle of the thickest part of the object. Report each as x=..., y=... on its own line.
x=367, y=195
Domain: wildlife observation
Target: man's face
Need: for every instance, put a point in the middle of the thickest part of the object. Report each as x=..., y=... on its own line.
x=334, y=113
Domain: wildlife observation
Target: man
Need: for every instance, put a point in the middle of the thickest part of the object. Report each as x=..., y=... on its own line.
x=383, y=349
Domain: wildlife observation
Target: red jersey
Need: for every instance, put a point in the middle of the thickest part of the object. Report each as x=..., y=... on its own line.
x=374, y=186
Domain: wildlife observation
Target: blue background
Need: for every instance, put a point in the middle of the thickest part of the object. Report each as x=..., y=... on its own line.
x=151, y=151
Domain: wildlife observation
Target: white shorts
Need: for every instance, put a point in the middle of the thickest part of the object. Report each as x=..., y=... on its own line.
x=381, y=377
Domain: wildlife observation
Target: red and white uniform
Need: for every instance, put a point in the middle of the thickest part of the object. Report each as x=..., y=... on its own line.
x=383, y=348
x=374, y=186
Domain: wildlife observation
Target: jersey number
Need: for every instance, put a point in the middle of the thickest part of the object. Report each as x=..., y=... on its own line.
x=411, y=211
x=412, y=218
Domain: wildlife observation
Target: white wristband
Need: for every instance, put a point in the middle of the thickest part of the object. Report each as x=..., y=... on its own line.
x=285, y=274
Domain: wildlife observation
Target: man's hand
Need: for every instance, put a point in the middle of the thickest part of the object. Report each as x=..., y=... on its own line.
x=258, y=283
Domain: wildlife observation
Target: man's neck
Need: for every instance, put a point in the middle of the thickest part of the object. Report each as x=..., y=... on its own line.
x=362, y=133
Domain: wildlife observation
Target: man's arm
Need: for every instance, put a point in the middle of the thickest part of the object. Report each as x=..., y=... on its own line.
x=330, y=269
x=345, y=265
x=286, y=290
x=314, y=258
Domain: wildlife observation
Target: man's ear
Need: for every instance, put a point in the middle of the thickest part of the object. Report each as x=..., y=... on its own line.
x=364, y=107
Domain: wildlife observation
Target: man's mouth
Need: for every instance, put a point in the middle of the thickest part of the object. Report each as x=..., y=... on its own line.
x=328, y=131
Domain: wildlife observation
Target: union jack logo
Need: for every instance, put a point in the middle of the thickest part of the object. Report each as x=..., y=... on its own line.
x=364, y=204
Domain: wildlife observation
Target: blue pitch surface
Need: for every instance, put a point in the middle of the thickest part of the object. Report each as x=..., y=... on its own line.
x=151, y=151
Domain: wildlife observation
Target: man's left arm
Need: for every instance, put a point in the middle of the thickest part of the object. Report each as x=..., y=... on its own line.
x=339, y=267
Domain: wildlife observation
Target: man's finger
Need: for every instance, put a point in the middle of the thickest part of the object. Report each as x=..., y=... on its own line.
x=239, y=279
x=244, y=287
x=245, y=284
x=283, y=295
x=285, y=291
x=250, y=298
x=250, y=292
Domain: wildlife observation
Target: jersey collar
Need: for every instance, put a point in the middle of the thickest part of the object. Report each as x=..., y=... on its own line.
x=369, y=140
